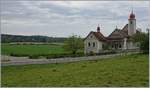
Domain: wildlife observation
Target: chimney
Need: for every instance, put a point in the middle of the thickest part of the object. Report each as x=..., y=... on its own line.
x=98, y=29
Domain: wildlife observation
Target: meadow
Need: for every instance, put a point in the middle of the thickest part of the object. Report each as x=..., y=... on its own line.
x=129, y=70
x=32, y=49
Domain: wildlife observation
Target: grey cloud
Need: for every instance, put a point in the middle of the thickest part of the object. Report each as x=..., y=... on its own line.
x=56, y=19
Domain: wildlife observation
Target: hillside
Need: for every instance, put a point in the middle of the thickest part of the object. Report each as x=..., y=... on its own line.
x=6, y=38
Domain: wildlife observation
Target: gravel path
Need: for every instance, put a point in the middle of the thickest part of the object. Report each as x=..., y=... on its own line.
x=24, y=60
x=9, y=60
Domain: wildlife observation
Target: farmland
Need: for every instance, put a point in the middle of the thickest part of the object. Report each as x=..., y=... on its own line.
x=32, y=49
x=129, y=70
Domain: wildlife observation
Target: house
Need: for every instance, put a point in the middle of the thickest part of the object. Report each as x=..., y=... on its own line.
x=119, y=39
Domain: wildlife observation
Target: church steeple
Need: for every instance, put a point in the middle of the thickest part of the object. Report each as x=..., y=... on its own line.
x=132, y=15
x=131, y=24
x=98, y=28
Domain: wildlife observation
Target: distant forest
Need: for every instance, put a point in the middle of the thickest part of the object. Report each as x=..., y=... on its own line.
x=7, y=38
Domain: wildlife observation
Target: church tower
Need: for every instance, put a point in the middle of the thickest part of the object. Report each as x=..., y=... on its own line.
x=131, y=24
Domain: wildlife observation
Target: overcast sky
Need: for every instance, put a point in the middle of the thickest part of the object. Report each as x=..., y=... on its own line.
x=64, y=18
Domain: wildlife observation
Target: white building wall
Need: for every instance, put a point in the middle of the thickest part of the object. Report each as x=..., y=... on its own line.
x=95, y=49
x=131, y=45
x=100, y=46
x=125, y=44
x=132, y=27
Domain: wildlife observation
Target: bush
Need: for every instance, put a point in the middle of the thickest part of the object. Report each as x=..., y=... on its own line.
x=91, y=53
x=48, y=56
x=64, y=55
x=107, y=52
x=143, y=39
x=18, y=55
x=145, y=45
x=34, y=57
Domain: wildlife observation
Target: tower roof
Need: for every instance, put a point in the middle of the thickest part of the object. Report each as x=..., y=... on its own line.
x=98, y=28
x=132, y=15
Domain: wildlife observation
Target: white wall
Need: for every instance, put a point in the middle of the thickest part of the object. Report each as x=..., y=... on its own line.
x=131, y=45
x=132, y=27
x=90, y=39
x=124, y=44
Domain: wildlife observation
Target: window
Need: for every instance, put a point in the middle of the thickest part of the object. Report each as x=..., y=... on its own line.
x=119, y=45
x=91, y=36
x=93, y=44
x=131, y=22
x=89, y=44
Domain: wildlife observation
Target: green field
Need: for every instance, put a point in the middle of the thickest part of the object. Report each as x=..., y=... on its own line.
x=36, y=49
x=130, y=70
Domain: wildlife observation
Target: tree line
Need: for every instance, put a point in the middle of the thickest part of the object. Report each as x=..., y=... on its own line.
x=6, y=38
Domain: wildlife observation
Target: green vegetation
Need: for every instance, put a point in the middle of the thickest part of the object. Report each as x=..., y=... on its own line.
x=143, y=39
x=73, y=44
x=35, y=51
x=29, y=49
x=7, y=38
x=130, y=70
x=80, y=54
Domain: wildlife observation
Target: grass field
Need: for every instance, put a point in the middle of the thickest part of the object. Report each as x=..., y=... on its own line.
x=8, y=49
x=130, y=70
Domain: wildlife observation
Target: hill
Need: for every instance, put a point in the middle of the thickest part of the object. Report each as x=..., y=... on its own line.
x=7, y=38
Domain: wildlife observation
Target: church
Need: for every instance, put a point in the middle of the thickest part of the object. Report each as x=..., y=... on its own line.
x=119, y=39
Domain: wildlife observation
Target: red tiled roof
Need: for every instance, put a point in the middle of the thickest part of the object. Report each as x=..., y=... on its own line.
x=98, y=35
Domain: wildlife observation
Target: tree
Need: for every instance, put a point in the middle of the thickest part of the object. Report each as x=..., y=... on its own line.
x=143, y=39
x=73, y=44
x=138, y=37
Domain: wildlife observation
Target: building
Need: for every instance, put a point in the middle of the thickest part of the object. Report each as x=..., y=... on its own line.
x=119, y=39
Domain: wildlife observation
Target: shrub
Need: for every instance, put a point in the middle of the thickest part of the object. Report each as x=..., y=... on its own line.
x=18, y=55
x=34, y=57
x=143, y=39
x=107, y=52
x=50, y=56
x=91, y=53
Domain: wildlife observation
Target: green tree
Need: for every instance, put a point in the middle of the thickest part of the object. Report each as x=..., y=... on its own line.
x=139, y=37
x=73, y=44
x=143, y=39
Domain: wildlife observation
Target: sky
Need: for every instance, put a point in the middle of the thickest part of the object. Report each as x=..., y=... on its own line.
x=65, y=18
